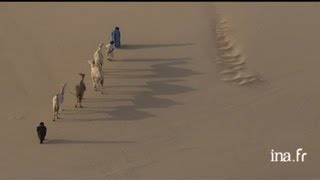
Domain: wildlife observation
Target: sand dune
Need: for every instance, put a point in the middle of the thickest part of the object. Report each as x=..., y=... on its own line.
x=230, y=58
x=167, y=110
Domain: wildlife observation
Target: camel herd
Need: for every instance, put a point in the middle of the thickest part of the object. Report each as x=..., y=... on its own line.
x=230, y=58
x=97, y=80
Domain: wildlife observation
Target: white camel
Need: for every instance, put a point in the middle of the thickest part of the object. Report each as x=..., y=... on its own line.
x=96, y=75
x=57, y=102
x=98, y=55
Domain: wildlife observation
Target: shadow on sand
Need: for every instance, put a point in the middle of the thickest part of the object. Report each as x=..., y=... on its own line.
x=170, y=74
x=150, y=60
x=146, y=46
x=123, y=113
x=163, y=77
x=161, y=70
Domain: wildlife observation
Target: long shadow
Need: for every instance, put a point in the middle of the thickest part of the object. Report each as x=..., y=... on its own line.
x=110, y=71
x=146, y=46
x=117, y=113
x=163, y=70
x=166, y=69
x=149, y=99
x=144, y=86
x=164, y=87
x=160, y=87
x=69, y=141
x=91, y=110
x=106, y=100
x=128, y=113
x=151, y=60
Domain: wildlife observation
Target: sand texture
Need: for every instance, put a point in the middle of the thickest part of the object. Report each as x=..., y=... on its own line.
x=197, y=91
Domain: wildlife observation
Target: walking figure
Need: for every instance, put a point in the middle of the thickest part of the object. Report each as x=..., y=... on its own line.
x=116, y=35
x=80, y=89
x=109, y=50
x=42, y=132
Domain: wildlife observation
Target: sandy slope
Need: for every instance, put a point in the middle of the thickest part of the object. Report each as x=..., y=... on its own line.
x=164, y=112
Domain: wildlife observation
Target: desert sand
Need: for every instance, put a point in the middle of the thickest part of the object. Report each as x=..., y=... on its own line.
x=165, y=111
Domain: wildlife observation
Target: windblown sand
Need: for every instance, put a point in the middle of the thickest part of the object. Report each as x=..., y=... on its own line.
x=174, y=103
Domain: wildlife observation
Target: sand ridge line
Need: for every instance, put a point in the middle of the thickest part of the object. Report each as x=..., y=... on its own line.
x=230, y=59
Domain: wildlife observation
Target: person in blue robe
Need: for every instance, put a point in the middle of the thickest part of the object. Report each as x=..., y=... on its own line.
x=116, y=35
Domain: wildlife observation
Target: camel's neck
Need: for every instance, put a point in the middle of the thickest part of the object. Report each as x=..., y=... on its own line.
x=62, y=90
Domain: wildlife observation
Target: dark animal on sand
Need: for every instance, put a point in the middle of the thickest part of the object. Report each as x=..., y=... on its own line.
x=80, y=89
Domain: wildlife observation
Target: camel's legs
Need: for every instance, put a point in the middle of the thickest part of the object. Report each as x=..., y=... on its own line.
x=80, y=100
x=54, y=115
x=58, y=114
x=76, y=103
